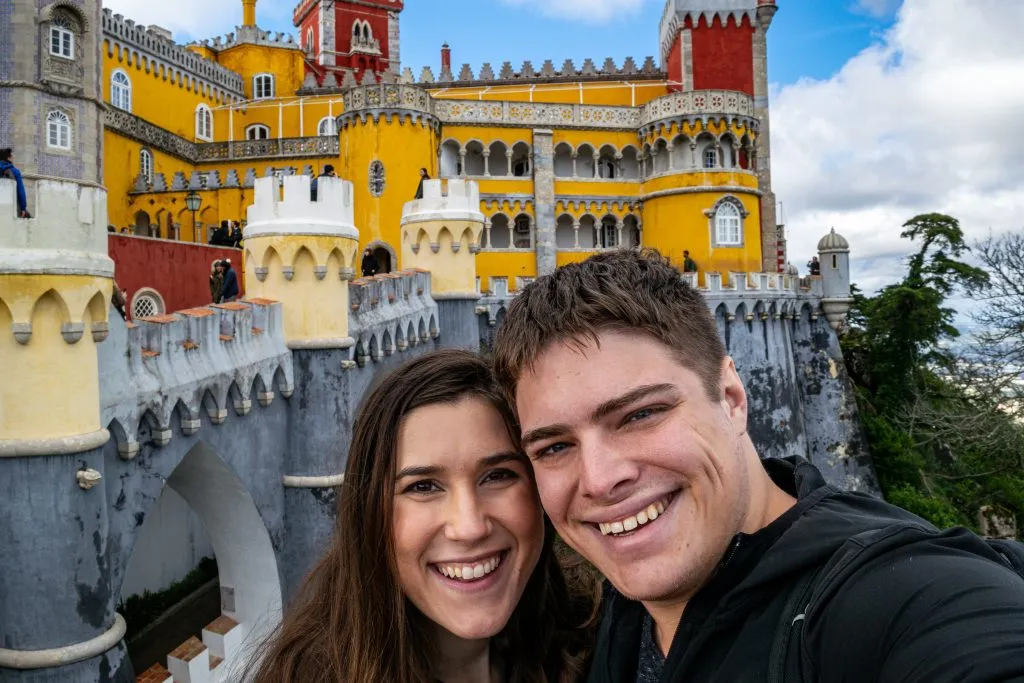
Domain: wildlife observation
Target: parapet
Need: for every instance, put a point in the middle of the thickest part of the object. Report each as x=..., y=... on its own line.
x=66, y=235
x=332, y=215
x=546, y=73
x=460, y=200
x=391, y=313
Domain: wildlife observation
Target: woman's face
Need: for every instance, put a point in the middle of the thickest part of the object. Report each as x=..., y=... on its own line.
x=467, y=520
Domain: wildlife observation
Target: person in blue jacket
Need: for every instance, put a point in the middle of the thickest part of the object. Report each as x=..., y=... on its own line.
x=10, y=171
x=229, y=290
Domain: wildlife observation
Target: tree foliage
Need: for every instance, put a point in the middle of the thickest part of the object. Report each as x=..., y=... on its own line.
x=943, y=443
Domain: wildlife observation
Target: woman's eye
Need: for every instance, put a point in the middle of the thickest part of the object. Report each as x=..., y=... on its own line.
x=422, y=487
x=500, y=475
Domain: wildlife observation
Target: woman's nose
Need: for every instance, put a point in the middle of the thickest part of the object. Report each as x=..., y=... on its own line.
x=467, y=518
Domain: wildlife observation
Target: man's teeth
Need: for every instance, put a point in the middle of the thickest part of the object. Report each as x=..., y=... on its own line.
x=636, y=521
x=470, y=572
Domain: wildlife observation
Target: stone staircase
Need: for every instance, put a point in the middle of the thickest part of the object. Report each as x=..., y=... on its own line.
x=197, y=661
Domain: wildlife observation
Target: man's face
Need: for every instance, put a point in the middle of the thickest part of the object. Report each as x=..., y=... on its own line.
x=639, y=470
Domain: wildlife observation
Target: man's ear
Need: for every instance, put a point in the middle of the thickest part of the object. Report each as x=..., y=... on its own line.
x=734, y=396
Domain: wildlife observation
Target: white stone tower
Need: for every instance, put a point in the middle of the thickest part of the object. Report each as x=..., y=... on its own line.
x=834, y=254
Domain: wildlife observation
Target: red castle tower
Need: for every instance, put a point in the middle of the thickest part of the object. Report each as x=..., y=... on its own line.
x=350, y=41
x=722, y=45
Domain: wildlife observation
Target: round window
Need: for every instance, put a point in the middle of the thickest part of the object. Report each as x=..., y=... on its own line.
x=147, y=303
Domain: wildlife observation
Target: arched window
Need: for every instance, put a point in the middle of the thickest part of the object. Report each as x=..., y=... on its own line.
x=378, y=178
x=328, y=126
x=204, y=123
x=58, y=130
x=263, y=86
x=62, y=38
x=309, y=38
x=728, y=224
x=521, y=233
x=710, y=157
x=357, y=30
x=121, y=90
x=146, y=165
x=257, y=131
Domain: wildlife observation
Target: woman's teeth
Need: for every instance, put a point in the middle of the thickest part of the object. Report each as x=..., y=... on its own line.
x=470, y=572
x=633, y=523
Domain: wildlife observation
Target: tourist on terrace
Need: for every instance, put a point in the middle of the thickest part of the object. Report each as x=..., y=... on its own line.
x=229, y=292
x=370, y=264
x=442, y=566
x=814, y=266
x=424, y=177
x=328, y=172
x=689, y=265
x=9, y=171
x=216, y=280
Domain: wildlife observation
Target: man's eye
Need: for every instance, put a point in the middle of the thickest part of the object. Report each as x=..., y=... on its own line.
x=642, y=414
x=553, y=449
x=422, y=487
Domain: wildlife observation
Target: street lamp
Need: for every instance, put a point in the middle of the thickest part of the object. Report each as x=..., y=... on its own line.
x=192, y=202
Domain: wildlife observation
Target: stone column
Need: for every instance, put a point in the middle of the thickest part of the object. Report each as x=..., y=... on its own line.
x=487, y=162
x=508, y=159
x=487, y=233
x=576, y=233
x=462, y=163
x=671, y=159
x=597, y=165
x=544, y=200
x=57, y=614
x=328, y=43
x=769, y=228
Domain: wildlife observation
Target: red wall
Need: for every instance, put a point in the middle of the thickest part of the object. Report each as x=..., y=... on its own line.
x=178, y=271
x=723, y=56
x=674, y=68
x=347, y=16
x=312, y=21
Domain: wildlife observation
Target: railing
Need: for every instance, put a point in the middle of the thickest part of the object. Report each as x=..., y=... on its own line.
x=283, y=148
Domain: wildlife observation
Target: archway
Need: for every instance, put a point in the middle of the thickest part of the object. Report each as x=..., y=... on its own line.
x=142, y=223
x=387, y=259
x=250, y=585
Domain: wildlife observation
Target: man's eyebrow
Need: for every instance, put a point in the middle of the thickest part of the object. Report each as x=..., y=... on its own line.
x=602, y=411
x=629, y=398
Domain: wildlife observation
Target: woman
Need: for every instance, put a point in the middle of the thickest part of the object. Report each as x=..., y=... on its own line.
x=216, y=281
x=442, y=566
x=424, y=177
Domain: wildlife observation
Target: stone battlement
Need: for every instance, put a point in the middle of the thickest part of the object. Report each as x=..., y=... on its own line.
x=547, y=73
x=249, y=35
x=454, y=200
x=390, y=314
x=295, y=213
x=197, y=362
x=67, y=233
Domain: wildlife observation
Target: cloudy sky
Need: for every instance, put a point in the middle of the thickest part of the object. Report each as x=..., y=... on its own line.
x=882, y=109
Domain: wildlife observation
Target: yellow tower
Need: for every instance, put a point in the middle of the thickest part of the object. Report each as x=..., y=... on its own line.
x=248, y=12
x=441, y=233
x=55, y=285
x=302, y=253
x=387, y=134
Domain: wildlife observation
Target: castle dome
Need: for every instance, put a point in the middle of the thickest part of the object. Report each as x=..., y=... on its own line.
x=791, y=269
x=833, y=242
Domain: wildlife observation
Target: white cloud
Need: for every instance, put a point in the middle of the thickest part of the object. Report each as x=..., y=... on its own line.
x=877, y=8
x=590, y=11
x=929, y=119
x=197, y=19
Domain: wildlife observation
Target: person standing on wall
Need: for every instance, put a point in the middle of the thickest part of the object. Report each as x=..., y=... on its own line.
x=229, y=292
x=370, y=264
x=313, y=187
x=689, y=265
x=424, y=177
x=814, y=266
x=9, y=171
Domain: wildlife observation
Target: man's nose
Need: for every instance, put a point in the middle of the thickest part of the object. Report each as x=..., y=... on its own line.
x=605, y=471
x=467, y=518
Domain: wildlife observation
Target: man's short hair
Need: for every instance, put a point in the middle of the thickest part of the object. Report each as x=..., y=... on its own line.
x=5, y=154
x=328, y=169
x=623, y=290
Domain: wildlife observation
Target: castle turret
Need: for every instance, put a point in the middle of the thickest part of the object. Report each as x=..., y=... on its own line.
x=441, y=233
x=302, y=253
x=834, y=254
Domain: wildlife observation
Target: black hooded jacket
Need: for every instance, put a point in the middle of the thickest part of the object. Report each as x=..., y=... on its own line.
x=932, y=608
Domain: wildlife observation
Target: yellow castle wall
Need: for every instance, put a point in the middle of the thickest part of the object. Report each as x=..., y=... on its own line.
x=612, y=93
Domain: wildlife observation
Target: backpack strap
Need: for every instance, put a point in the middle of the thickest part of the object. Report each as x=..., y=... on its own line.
x=1011, y=552
x=785, y=663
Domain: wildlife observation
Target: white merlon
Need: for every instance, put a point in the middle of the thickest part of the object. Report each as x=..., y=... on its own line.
x=332, y=215
x=459, y=201
x=67, y=234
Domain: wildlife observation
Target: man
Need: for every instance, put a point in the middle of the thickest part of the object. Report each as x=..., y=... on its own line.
x=814, y=266
x=689, y=265
x=328, y=173
x=9, y=171
x=635, y=420
x=229, y=289
x=370, y=264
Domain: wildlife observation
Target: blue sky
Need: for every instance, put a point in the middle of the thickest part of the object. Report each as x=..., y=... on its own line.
x=809, y=38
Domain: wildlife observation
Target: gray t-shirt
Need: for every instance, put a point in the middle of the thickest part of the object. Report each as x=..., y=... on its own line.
x=651, y=663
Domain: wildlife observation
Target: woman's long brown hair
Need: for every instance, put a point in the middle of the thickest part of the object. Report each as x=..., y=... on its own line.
x=351, y=622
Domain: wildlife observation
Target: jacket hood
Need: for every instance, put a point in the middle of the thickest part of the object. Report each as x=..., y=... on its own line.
x=4, y=165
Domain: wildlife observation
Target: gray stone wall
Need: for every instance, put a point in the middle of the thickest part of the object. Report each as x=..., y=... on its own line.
x=769, y=213
x=544, y=200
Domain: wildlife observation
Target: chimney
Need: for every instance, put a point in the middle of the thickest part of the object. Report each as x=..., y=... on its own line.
x=446, y=58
